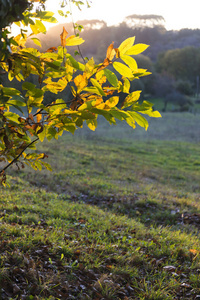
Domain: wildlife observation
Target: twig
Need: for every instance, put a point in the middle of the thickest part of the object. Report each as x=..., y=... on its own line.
x=17, y=157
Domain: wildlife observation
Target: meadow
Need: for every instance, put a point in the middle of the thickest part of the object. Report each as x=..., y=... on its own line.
x=117, y=218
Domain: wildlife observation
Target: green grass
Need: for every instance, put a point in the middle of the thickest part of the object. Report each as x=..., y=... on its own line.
x=118, y=218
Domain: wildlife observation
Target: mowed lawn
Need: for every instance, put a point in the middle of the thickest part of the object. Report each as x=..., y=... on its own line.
x=117, y=218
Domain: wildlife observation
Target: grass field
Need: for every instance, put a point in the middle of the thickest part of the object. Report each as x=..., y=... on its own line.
x=118, y=218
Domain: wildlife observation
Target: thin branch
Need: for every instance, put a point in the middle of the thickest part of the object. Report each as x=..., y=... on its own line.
x=17, y=157
x=79, y=49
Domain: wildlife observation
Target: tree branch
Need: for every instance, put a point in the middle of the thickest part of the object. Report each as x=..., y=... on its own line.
x=17, y=157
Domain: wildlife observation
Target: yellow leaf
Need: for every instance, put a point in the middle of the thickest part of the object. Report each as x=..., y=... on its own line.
x=131, y=62
x=80, y=82
x=74, y=41
x=122, y=69
x=110, y=52
x=112, y=102
x=92, y=124
x=137, y=49
x=126, y=45
x=63, y=37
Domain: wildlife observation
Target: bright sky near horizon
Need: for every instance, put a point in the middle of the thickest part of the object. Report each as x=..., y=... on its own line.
x=178, y=14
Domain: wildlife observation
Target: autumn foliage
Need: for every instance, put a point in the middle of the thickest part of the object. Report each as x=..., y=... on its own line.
x=26, y=119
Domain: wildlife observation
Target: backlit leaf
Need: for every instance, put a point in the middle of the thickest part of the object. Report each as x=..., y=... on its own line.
x=76, y=64
x=63, y=37
x=110, y=52
x=74, y=41
x=36, y=41
x=146, y=108
x=137, y=49
x=112, y=102
x=98, y=86
x=131, y=98
x=126, y=86
x=131, y=62
x=81, y=82
x=122, y=69
x=139, y=119
x=126, y=45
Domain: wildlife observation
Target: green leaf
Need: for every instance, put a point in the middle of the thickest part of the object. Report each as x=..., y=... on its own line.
x=28, y=86
x=75, y=64
x=71, y=127
x=137, y=49
x=125, y=45
x=51, y=133
x=106, y=114
x=10, y=91
x=119, y=114
x=122, y=69
x=131, y=98
x=112, y=78
x=87, y=115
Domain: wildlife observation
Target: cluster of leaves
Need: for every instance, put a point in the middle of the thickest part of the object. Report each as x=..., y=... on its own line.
x=92, y=87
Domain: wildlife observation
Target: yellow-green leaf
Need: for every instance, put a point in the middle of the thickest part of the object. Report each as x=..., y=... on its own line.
x=125, y=45
x=112, y=102
x=81, y=82
x=126, y=86
x=40, y=26
x=131, y=62
x=76, y=64
x=112, y=78
x=131, y=98
x=137, y=49
x=122, y=69
x=36, y=41
x=139, y=119
x=74, y=41
x=92, y=124
x=12, y=117
x=98, y=86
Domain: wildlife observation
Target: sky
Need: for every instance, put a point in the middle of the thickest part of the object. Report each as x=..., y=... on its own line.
x=178, y=14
